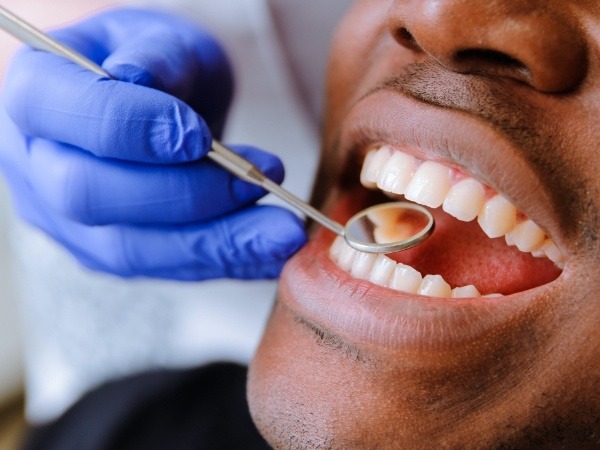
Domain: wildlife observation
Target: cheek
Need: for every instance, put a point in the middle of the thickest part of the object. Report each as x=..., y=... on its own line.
x=353, y=54
x=313, y=391
x=308, y=391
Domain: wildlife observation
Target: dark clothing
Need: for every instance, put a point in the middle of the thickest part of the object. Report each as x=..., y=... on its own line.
x=204, y=408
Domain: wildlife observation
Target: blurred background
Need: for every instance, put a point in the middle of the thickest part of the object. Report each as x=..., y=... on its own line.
x=45, y=15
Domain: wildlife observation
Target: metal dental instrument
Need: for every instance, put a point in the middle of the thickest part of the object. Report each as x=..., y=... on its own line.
x=386, y=228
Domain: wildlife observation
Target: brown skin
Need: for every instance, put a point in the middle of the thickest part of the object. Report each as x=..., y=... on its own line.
x=530, y=381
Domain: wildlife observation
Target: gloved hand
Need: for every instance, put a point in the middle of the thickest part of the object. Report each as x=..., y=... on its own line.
x=114, y=170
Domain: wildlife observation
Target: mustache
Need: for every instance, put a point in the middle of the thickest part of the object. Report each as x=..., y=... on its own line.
x=492, y=100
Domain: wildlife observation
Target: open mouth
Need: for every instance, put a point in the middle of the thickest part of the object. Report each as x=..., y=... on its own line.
x=497, y=232
x=482, y=246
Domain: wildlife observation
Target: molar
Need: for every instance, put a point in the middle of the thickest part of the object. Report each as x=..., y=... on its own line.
x=527, y=236
x=550, y=251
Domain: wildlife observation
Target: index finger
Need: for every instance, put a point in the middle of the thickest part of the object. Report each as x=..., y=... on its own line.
x=50, y=97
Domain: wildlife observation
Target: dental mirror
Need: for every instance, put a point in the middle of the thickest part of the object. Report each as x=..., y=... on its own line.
x=390, y=227
x=386, y=228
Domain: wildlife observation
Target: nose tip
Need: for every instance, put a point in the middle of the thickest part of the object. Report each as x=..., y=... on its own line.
x=533, y=44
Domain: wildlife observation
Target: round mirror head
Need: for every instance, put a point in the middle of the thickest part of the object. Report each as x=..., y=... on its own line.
x=389, y=227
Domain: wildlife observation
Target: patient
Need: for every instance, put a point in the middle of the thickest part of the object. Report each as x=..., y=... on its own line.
x=487, y=111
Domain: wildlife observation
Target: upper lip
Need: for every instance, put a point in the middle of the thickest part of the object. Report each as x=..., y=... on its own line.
x=455, y=139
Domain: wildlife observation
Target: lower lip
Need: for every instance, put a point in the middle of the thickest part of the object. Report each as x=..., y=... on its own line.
x=357, y=311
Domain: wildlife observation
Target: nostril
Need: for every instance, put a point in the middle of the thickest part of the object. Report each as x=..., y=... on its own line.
x=406, y=39
x=490, y=57
x=485, y=61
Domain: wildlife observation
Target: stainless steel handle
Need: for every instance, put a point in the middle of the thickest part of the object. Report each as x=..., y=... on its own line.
x=39, y=40
x=247, y=171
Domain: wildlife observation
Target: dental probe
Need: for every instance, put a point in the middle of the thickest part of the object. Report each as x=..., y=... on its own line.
x=368, y=231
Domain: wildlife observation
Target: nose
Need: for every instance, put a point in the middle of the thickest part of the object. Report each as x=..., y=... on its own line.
x=526, y=40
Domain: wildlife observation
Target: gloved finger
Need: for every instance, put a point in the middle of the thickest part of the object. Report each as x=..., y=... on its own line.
x=50, y=97
x=13, y=155
x=251, y=244
x=97, y=191
x=196, y=72
x=161, y=51
x=159, y=60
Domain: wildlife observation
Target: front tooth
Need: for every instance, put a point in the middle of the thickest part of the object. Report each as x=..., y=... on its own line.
x=346, y=258
x=362, y=264
x=465, y=199
x=366, y=174
x=435, y=286
x=406, y=279
x=527, y=236
x=374, y=162
x=336, y=247
x=430, y=185
x=497, y=217
x=465, y=292
x=396, y=173
x=539, y=253
x=383, y=267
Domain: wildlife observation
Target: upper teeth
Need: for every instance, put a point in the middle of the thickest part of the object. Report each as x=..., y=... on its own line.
x=433, y=184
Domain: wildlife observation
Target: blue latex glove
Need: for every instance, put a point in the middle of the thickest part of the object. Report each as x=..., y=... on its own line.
x=114, y=170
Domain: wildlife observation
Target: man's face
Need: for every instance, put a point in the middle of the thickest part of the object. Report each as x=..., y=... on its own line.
x=490, y=109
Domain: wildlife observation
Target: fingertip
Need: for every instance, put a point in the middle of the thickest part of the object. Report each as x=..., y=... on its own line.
x=118, y=119
x=131, y=73
x=268, y=163
x=280, y=234
x=261, y=271
x=196, y=140
x=16, y=82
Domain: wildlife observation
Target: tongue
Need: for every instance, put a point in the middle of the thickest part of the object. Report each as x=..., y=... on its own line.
x=463, y=255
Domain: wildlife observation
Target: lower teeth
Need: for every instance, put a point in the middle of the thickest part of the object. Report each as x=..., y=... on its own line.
x=383, y=271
